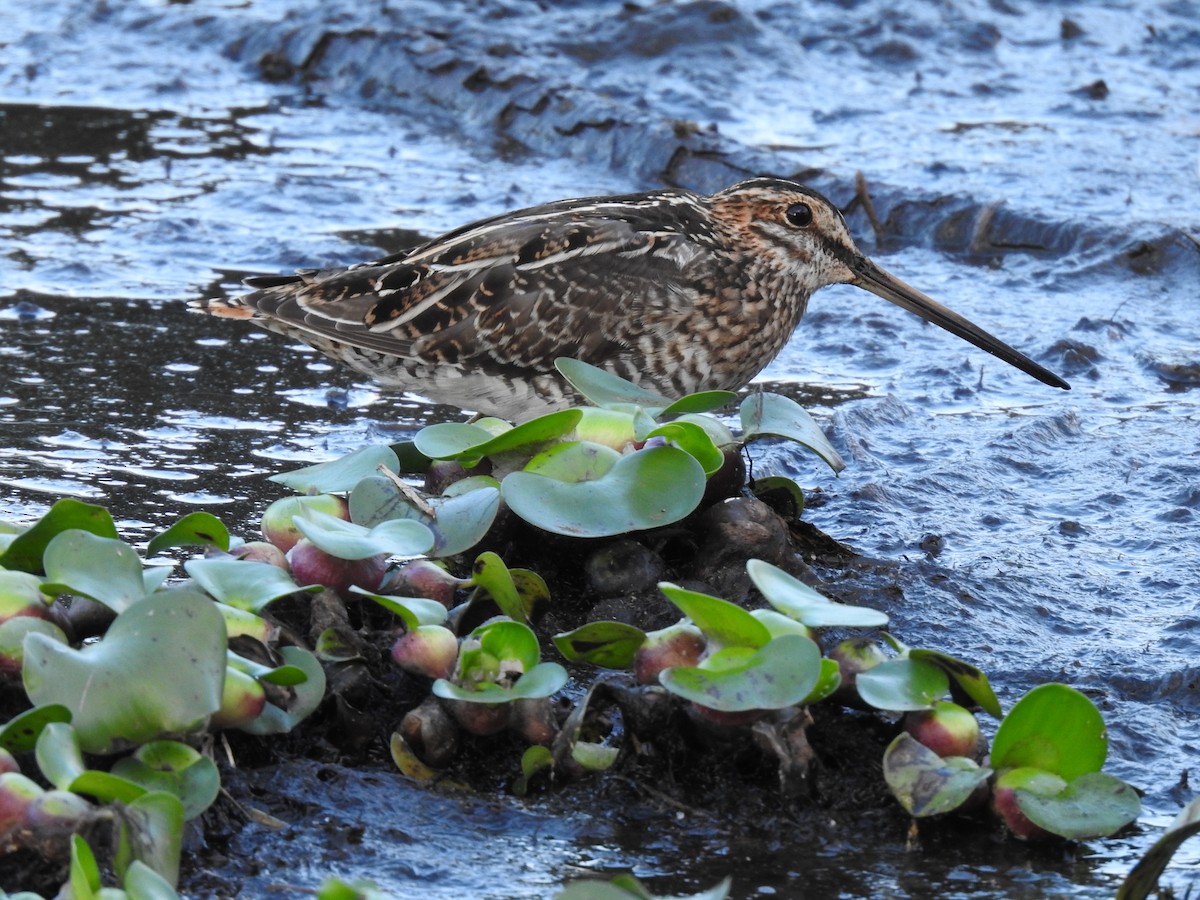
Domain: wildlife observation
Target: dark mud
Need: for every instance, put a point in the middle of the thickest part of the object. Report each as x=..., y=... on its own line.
x=1032, y=165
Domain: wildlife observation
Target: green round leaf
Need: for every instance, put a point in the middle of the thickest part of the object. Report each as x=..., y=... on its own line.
x=412, y=460
x=533, y=760
x=59, y=756
x=469, y=443
x=971, y=679
x=197, y=529
x=21, y=732
x=925, y=783
x=345, y=540
x=468, y=485
x=143, y=883
x=12, y=635
x=243, y=584
x=85, y=873
x=594, y=757
x=306, y=696
x=24, y=552
x=902, y=684
x=725, y=624
x=605, y=389
x=796, y=599
x=830, y=681
x=461, y=517
x=574, y=461
x=176, y=768
x=159, y=669
x=542, y=680
x=531, y=588
x=154, y=577
x=340, y=475
x=493, y=425
x=693, y=439
x=376, y=499
x=491, y=575
x=611, y=428
x=1053, y=727
x=492, y=656
x=716, y=429
x=242, y=623
x=777, y=623
x=450, y=440
x=700, y=402
x=154, y=823
x=772, y=415
x=284, y=676
x=643, y=490
x=607, y=644
x=106, y=787
x=251, y=667
x=1090, y=806
x=528, y=436
x=780, y=493
x=508, y=640
x=107, y=570
x=779, y=674
x=415, y=611
x=20, y=591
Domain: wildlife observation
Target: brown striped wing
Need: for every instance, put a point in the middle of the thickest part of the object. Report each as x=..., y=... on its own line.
x=513, y=293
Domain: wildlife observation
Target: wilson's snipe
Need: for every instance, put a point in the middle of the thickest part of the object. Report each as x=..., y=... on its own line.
x=669, y=289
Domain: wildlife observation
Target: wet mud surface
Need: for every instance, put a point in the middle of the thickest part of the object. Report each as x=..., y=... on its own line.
x=1034, y=166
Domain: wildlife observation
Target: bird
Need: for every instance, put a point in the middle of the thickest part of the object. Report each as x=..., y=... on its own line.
x=675, y=291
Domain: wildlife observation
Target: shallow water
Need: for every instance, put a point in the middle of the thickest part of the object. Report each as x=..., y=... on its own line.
x=147, y=157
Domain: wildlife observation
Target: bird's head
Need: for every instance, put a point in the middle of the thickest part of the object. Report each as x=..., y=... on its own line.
x=795, y=229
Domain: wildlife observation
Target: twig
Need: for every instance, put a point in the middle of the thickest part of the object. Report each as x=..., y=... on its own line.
x=408, y=492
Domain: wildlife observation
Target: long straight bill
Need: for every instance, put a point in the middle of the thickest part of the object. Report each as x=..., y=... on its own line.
x=883, y=284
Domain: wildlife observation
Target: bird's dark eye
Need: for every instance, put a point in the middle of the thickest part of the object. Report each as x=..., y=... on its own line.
x=799, y=214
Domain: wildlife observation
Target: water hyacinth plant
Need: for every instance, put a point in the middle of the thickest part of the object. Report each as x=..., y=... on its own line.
x=1047, y=754
x=631, y=461
x=161, y=670
x=736, y=666
x=127, y=663
x=1044, y=769
x=724, y=658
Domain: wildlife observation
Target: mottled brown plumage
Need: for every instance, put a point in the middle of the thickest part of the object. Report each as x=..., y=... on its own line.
x=672, y=290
